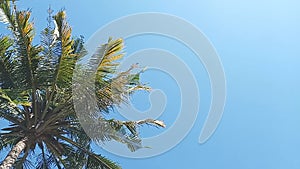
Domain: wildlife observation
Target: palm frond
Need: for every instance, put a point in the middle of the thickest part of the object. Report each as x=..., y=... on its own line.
x=66, y=61
x=49, y=55
x=99, y=161
x=6, y=74
x=23, y=162
x=28, y=57
x=95, y=161
x=45, y=160
x=112, y=52
x=7, y=141
x=7, y=14
x=111, y=88
x=8, y=114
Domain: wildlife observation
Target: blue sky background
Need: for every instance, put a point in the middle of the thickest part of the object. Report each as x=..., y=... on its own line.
x=258, y=44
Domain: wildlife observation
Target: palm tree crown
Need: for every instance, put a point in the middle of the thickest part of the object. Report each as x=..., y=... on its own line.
x=36, y=95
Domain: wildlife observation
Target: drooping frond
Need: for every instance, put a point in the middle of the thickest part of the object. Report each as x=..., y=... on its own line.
x=126, y=132
x=9, y=110
x=93, y=161
x=117, y=90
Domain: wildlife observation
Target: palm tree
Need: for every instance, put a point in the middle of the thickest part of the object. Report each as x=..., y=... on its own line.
x=36, y=95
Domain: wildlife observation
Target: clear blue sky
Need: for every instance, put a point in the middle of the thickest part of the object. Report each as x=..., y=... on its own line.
x=258, y=43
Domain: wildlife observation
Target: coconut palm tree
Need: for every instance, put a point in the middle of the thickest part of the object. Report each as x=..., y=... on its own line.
x=36, y=95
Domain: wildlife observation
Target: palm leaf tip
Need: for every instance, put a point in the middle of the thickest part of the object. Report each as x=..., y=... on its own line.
x=157, y=123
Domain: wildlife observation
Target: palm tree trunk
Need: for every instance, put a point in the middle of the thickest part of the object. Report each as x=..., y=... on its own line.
x=14, y=153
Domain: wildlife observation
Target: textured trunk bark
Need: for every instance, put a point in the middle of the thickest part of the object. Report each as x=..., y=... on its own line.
x=14, y=153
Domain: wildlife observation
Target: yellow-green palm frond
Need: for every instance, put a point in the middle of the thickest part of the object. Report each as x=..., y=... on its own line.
x=66, y=60
x=113, y=88
x=112, y=54
x=26, y=57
